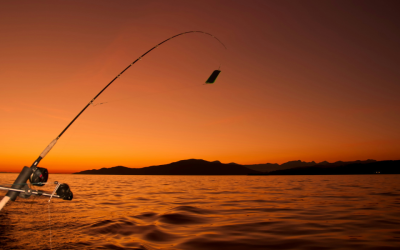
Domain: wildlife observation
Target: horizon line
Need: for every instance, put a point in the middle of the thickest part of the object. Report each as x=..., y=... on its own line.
x=64, y=172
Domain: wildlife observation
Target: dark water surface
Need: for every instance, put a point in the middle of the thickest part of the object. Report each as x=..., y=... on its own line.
x=209, y=212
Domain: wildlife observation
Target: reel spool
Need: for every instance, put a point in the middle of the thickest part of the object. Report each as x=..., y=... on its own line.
x=39, y=177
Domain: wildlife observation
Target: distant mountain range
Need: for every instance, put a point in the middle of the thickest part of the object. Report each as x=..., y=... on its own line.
x=268, y=167
x=184, y=167
x=355, y=167
x=202, y=167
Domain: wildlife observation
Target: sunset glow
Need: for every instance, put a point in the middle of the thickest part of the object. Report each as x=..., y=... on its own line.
x=300, y=80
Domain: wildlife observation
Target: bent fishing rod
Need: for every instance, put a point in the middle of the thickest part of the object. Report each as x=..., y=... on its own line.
x=38, y=176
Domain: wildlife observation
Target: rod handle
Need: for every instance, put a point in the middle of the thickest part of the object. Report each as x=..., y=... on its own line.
x=4, y=201
x=48, y=148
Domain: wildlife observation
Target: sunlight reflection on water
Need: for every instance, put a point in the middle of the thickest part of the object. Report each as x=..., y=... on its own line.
x=209, y=212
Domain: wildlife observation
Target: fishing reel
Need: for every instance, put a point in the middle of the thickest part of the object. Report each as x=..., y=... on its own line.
x=64, y=192
x=39, y=177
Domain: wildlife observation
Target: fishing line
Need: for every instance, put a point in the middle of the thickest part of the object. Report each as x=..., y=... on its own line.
x=48, y=206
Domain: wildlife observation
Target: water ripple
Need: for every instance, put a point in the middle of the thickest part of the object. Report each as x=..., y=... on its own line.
x=203, y=212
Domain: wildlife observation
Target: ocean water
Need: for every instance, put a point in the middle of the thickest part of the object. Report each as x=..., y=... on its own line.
x=208, y=212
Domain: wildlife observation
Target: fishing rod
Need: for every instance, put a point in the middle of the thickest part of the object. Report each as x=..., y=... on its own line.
x=38, y=176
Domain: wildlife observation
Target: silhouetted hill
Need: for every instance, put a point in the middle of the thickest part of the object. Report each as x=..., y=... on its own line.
x=268, y=167
x=356, y=167
x=202, y=167
x=184, y=167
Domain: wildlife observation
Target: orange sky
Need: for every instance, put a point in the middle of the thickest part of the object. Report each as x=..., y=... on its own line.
x=301, y=80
